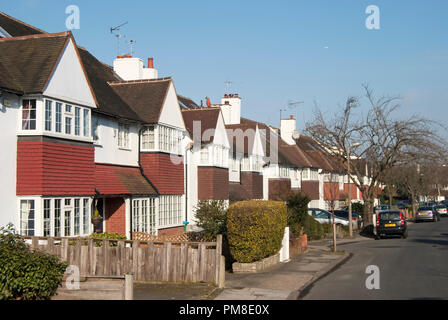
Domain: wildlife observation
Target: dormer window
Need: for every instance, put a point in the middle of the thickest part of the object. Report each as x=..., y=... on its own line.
x=29, y=114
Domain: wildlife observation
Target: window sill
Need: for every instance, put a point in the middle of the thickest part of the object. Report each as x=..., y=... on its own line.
x=124, y=149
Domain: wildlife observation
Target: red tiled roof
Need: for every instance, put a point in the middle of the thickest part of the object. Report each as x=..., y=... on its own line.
x=121, y=180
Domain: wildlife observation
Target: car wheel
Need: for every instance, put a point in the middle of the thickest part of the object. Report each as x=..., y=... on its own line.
x=405, y=235
x=377, y=237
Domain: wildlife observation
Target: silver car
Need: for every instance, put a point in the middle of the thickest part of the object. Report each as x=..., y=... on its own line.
x=427, y=214
x=324, y=216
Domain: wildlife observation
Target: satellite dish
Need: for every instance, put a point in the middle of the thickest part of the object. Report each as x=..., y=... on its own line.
x=295, y=135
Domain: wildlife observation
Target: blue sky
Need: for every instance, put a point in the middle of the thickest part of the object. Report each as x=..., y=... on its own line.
x=318, y=52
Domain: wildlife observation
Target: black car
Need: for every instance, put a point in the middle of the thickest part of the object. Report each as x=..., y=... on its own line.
x=389, y=223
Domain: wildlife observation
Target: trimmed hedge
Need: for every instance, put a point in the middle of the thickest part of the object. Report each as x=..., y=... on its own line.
x=26, y=274
x=255, y=229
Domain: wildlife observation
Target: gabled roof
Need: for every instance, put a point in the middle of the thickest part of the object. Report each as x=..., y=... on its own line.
x=121, y=180
x=208, y=118
x=320, y=158
x=187, y=103
x=17, y=28
x=31, y=60
x=145, y=97
x=99, y=74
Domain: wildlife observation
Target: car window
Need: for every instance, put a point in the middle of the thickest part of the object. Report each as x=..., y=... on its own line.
x=321, y=214
x=425, y=209
x=311, y=212
x=390, y=216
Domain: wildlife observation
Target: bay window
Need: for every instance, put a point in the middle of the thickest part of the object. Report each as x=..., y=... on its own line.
x=77, y=121
x=58, y=117
x=204, y=155
x=148, y=138
x=66, y=217
x=27, y=217
x=86, y=122
x=68, y=119
x=29, y=114
x=48, y=115
x=170, y=210
x=162, y=138
x=283, y=172
x=314, y=175
x=144, y=215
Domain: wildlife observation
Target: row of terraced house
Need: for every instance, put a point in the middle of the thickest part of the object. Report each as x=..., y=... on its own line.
x=79, y=137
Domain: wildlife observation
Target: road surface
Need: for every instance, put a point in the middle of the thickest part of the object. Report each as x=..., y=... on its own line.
x=413, y=268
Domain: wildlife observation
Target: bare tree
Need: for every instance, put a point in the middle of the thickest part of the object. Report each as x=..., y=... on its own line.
x=381, y=141
x=331, y=196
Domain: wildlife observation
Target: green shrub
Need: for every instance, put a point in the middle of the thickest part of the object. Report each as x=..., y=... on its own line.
x=255, y=229
x=211, y=216
x=313, y=229
x=26, y=274
x=297, y=205
x=358, y=208
x=299, y=221
x=107, y=236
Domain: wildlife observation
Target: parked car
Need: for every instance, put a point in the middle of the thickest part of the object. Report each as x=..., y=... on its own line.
x=391, y=222
x=357, y=219
x=324, y=216
x=381, y=207
x=401, y=205
x=442, y=210
x=427, y=213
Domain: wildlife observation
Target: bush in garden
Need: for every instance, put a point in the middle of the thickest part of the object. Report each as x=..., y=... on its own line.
x=255, y=229
x=107, y=236
x=358, y=208
x=211, y=216
x=297, y=204
x=26, y=274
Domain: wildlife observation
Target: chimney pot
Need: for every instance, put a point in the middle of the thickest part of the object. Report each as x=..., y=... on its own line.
x=292, y=117
x=151, y=63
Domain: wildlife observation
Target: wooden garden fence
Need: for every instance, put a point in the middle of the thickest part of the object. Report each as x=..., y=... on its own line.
x=146, y=260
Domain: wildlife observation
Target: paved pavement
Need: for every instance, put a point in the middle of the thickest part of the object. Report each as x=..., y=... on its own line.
x=412, y=268
x=287, y=280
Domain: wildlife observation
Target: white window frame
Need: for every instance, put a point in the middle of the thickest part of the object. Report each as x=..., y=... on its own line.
x=27, y=208
x=30, y=123
x=144, y=215
x=123, y=136
x=171, y=211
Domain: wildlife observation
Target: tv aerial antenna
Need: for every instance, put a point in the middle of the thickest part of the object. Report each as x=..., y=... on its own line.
x=227, y=85
x=116, y=31
x=131, y=45
x=291, y=104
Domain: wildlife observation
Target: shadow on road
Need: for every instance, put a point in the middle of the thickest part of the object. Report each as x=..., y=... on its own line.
x=432, y=241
